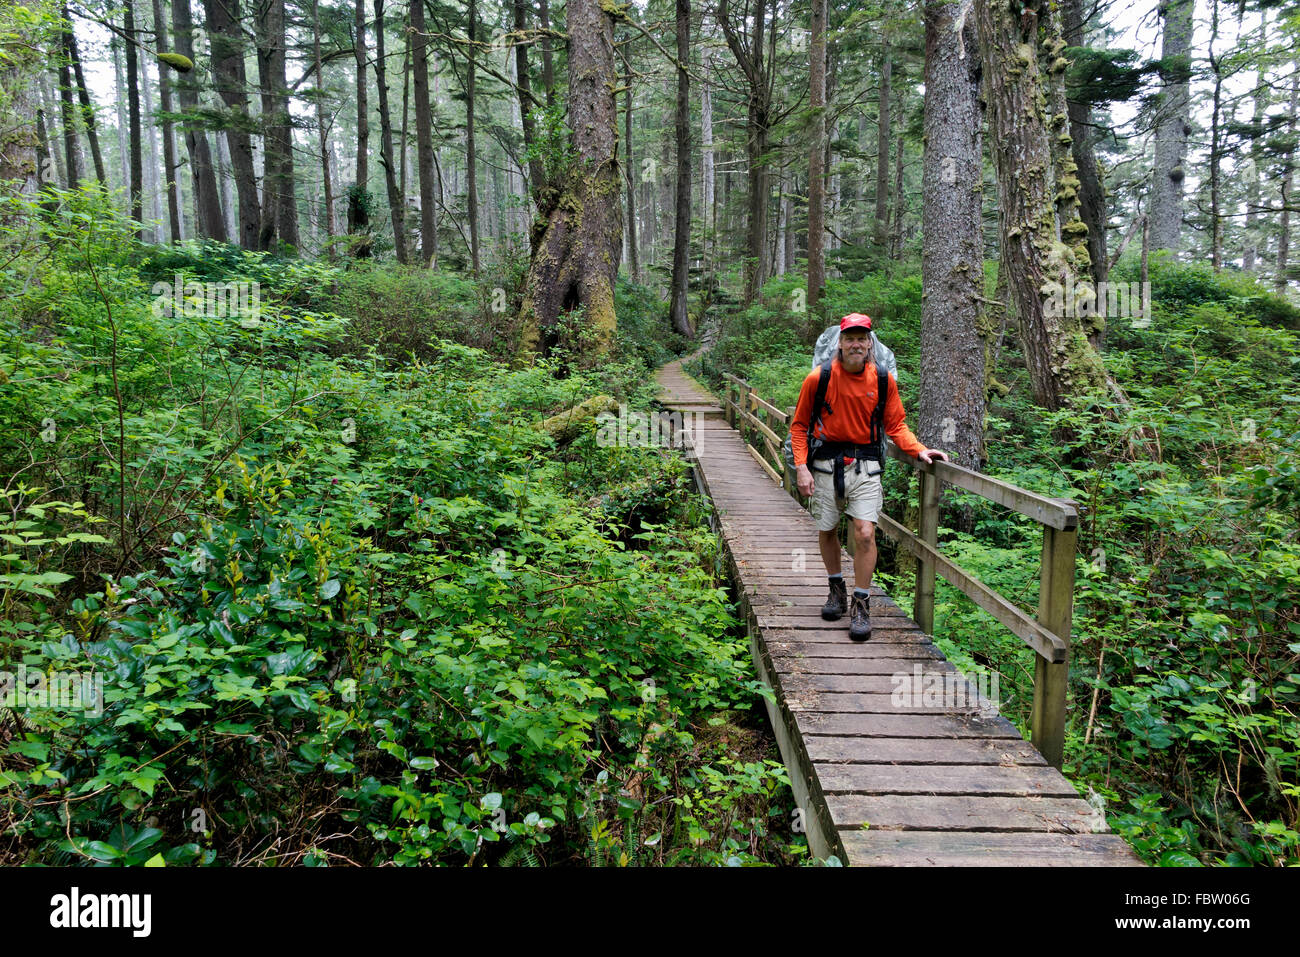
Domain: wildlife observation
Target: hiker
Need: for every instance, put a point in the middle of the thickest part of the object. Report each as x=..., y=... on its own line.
x=846, y=435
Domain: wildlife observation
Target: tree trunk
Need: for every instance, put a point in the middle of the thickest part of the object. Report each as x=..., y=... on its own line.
x=1172, y=126
x=25, y=163
x=207, y=202
x=779, y=267
x=548, y=63
x=1259, y=100
x=358, y=197
x=71, y=145
x=327, y=182
x=225, y=38
x=471, y=153
x=1070, y=227
x=816, y=160
x=1092, y=195
x=955, y=340
x=396, y=205
x=756, y=67
x=633, y=262
x=1062, y=365
x=50, y=106
x=83, y=96
x=150, y=131
x=423, y=134
x=900, y=201
x=229, y=204
x=133, y=116
x=709, y=189
x=1288, y=182
x=280, y=206
x=882, y=144
x=678, y=312
x=536, y=171
x=1216, y=157
x=578, y=251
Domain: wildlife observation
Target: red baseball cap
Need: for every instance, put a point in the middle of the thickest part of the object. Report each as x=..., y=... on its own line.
x=855, y=320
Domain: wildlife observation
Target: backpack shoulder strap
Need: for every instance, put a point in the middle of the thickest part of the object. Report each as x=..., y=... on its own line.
x=878, y=413
x=819, y=399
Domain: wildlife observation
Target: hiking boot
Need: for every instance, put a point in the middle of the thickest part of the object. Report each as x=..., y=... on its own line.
x=833, y=610
x=860, y=619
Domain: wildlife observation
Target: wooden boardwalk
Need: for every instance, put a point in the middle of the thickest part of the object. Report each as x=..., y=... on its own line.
x=937, y=784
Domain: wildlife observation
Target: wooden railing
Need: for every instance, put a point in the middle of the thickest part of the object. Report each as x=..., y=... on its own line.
x=1048, y=634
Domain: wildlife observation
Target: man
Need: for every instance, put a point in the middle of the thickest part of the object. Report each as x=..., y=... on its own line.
x=848, y=453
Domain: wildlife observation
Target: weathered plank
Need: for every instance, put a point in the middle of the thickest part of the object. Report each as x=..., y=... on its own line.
x=874, y=848
x=969, y=751
x=952, y=779
x=918, y=812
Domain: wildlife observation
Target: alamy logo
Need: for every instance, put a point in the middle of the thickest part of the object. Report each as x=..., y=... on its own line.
x=1131, y=300
x=179, y=299
x=656, y=430
x=102, y=910
x=59, y=690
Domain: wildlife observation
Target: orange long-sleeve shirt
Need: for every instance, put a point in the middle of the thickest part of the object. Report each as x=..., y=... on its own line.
x=846, y=415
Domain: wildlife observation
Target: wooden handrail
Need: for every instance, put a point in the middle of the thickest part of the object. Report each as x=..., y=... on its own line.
x=1058, y=513
x=1048, y=635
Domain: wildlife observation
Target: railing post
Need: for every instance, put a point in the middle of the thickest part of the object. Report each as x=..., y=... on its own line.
x=928, y=532
x=728, y=407
x=791, y=481
x=1056, y=614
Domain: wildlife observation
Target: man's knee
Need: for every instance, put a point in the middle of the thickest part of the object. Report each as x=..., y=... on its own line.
x=864, y=532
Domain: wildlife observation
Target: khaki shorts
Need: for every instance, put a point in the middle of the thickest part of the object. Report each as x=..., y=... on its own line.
x=863, y=494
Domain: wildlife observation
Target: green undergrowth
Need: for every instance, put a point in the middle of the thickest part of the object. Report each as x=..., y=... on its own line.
x=345, y=608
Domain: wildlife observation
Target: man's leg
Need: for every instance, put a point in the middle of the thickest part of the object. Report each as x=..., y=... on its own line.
x=829, y=544
x=826, y=512
x=864, y=552
x=865, y=511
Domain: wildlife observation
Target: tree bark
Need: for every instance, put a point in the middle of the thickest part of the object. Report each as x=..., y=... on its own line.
x=1092, y=195
x=633, y=262
x=395, y=203
x=1288, y=182
x=279, y=206
x=358, y=197
x=678, y=312
x=231, y=83
x=327, y=181
x=577, y=253
x=423, y=135
x=709, y=188
x=1216, y=157
x=133, y=117
x=882, y=148
x=71, y=145
x=816, y=161
x=548, y=63
x=536, y=171
x=1062, y=365
x=83, y=96
x=471, y=147
x=1259, y=99
x=1172, y=125
x=756, y=67
x=207, y=202
x=49, y=104
x=955, y=339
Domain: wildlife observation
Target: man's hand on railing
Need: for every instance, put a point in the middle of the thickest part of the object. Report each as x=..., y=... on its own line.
x=933, y=455
x=805, y=480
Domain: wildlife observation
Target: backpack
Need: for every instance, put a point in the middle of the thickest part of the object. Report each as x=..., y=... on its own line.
x=828, y=344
